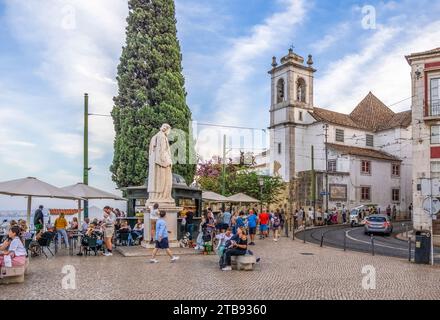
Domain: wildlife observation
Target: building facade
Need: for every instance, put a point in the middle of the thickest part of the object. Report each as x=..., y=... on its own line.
x=364, y=157
x=425, y=79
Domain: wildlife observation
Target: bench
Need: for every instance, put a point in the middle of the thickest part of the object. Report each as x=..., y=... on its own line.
x=245, y=262
x=14, y=274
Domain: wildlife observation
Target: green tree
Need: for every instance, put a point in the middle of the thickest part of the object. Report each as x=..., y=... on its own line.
x=151, y=91
x=238, y=179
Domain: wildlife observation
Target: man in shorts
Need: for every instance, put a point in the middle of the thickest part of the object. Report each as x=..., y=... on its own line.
x=162, y=239
x=264, y=219
x=252, y=225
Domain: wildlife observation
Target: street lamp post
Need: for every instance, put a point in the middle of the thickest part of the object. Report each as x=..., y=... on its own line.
x=261, y=182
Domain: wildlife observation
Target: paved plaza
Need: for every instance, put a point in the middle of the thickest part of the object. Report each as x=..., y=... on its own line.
x=288, y=270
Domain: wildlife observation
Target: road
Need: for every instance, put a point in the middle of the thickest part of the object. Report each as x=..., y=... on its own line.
x=358, y=241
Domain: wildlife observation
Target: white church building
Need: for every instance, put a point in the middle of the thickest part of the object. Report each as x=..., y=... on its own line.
x=369, y=151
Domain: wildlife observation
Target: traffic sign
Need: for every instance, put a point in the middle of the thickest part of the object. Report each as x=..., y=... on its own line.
x=431, y=205
x=323, y=193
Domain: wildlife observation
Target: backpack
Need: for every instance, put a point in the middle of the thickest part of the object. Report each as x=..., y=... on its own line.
x=276, y=221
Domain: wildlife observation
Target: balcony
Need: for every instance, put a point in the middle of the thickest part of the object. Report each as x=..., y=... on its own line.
x=433, y=111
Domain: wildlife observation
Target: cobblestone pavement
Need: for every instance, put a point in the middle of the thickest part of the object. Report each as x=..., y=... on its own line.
x=288, y=270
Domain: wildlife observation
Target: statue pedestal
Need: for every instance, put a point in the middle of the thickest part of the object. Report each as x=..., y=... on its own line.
x=171, y=220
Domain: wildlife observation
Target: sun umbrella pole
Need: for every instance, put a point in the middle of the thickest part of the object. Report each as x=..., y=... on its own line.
x=79, y=212
x=29, y=205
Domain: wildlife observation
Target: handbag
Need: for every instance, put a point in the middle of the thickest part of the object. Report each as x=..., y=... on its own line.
x=183, y=221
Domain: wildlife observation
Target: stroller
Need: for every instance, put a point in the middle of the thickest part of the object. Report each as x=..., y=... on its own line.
x=205, y=240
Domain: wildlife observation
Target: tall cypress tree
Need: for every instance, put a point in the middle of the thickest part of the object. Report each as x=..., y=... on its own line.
x=151, y=91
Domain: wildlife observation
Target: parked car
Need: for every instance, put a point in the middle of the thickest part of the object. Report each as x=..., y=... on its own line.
x=378, y=223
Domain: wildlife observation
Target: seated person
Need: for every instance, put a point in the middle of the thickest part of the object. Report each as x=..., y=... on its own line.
x=43, y=237
x=92, y=232
x=74, y=224
x=13, y=248
x=125, y=228
x=238, y=247
x=223, y=238
x=85, y=225
x=138, y=230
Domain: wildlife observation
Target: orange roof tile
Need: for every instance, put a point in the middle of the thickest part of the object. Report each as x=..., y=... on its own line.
x=362, y=152
x=371, y=114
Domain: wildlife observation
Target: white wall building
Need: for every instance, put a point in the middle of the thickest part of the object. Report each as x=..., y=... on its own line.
x=368, y=151
x=425, y=77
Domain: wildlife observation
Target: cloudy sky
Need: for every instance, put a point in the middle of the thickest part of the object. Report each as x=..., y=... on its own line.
x=55, y=50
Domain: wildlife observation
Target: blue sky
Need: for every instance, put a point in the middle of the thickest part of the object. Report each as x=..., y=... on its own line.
x=55, y=50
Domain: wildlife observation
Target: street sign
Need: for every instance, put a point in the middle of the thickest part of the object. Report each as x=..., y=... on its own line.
x=434, y=202
x=323, y=193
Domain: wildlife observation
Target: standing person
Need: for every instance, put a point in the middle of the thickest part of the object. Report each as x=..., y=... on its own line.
x=388, y=211
x=252, y=225
x=344, y=214
x=189, y=223
x=234, y=221
x=276, y=222
x=394, y=212
x=295, y=219
x=39, y=219
x=109, y=230
x=310, y=216
x=240, y=220
x=226, y=219
x=161, y=238
x=60, y=226
x=154, y=215
x=264, y=219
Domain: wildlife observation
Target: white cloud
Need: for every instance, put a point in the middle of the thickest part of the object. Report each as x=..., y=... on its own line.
x=336, y=34
x=379, y=66
x=247, y=56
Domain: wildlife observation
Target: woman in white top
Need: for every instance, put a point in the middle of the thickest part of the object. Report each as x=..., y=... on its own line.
x=223, y=237
x=13, y=248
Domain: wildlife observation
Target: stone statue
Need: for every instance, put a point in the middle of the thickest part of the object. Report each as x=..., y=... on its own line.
x=160, y=177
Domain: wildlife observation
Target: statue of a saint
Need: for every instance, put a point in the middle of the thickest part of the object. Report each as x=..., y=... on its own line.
x=160, y=177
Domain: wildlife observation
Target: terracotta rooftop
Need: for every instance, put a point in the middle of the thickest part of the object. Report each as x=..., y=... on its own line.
x=362, y=152
x=370, y=114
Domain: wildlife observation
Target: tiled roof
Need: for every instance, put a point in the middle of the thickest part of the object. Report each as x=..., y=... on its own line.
x=370, y=114
x=334, y=117
x=401, y=119
x=362, y=152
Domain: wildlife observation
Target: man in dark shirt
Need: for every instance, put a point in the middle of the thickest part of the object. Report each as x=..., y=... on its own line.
x=238, y=248
x=39, y=219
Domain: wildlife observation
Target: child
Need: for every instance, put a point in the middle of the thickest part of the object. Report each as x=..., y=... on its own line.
x=13, y=249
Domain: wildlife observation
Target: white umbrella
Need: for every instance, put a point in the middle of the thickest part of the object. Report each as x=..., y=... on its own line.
x=241, y=197
x=213, y=197
x=87, y=192
x=32, y=187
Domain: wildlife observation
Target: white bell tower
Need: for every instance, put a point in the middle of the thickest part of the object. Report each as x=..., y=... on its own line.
x=291, y=99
